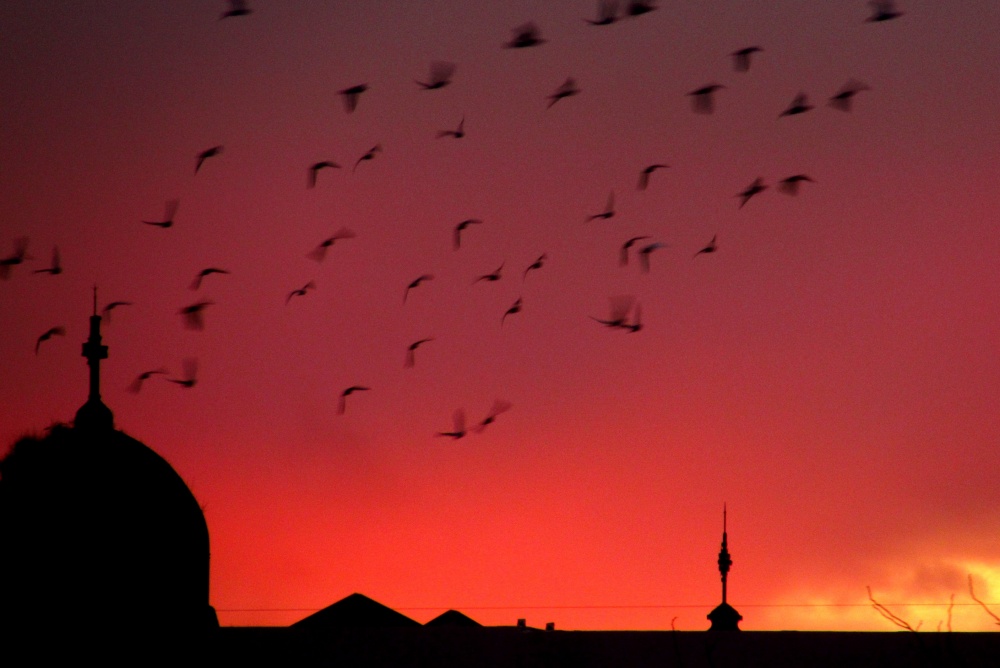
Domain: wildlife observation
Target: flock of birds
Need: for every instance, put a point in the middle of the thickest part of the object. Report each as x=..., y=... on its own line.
x=625, y=311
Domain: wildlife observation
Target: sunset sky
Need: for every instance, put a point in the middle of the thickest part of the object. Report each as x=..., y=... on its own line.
x=830, y=373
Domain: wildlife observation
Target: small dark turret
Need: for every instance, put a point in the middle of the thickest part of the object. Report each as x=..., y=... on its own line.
x=94, y=416
x=724, y=617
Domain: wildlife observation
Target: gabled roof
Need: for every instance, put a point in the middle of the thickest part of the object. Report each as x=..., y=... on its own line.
x=354, y=611
x=453, y=618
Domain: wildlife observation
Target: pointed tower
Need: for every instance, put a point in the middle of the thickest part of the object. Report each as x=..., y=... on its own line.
x=724, y=617
x=94, y=416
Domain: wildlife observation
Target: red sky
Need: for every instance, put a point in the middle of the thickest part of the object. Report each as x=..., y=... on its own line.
x=830, y=373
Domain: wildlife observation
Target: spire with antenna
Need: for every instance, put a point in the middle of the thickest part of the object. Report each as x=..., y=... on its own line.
x=94, y=415
x=724, y=617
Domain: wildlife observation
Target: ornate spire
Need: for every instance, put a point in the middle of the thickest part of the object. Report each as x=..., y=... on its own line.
x=94, y=415
x=724, y=617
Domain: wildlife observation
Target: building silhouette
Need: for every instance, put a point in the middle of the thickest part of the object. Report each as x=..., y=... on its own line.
x=724, y=617
x=100, y=534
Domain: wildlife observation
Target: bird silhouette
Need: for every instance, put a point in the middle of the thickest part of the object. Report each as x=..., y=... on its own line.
x=441, y=73
x=607, y=13
x=315, y=167
x=710, y=248
x=644, y=175
x=54, y=331
x=741, y=58
x=136, y=384
x=319, y=253
x=790, y=185
x=56, y=267
x=236, y=8
x=106, y=311
x=644, y=254
x=621, y=305
x=190, y=378
x=193, y=316
x=170, y=210
x=537, y=264
x=410, y=359
x=491, y=277
x=515, y=308
x=205, y=155
x=754, y=188
x=799, y=105
x=636, y=324
x=640, y=7
x=18, y=257
x=301, y=292
x=609, y=210
x=351, y=96
x=461, y=226
x=499, y=407
x=415, y=282
x=567, y=89
x=524, y=36
x=844, y=98
x=457, y=133
x=623, y=257
x=703, y=99
x=458, y=419
x=883, y=10
x=196, y=283
x=370, y=155
x=342, y=404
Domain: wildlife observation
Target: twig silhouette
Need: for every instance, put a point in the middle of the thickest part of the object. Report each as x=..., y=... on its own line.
x=984, y=606
x=888, y=614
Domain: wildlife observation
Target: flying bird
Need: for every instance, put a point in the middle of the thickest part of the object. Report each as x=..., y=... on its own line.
x=370, y=155
x=640, y=7
x=741, y=58
x=19, y=256
x=644, y=175
x=458, y=419
x=499, y=407
x=236, y=8
x=170, y=210
x=644, y=254
x=190, y=378
x=607, y=13
x=106, y=311
x=441, y=73
x=56, y=267
x=54, y=331
x=491, y=277
x=710, y=248
x=620, y=307
x=790, y=185
x=196, y=283
x=461, y=226
x=193, y=318
x=636, y=324
x=524, y=36
x=136, y=384
x=703, y=99
x=410, y=352
x=319, y=253
x=301, y=292
x=844, y=98
x=516, y=308
x=754, y=188
x=313, y=169
x=800, y=105
x=457, y=133
x=883, y=10
x=609, y=210
x=415, y=282
x=623, y=258
x=537, y=264
x=567, y=89
x=351, y=96
x=205, y=155
x=342, y=404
